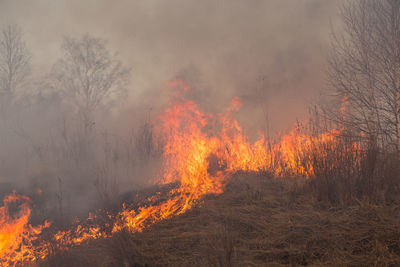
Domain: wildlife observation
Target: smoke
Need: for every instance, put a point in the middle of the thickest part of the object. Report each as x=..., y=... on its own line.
x=231, y=44
x=269, y=53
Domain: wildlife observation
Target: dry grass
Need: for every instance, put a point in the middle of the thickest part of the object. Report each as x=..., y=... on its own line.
x=257, y=221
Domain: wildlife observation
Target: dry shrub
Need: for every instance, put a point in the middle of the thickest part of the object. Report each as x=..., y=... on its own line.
x=345, y=170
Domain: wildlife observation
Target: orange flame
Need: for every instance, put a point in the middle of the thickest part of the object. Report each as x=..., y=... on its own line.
x=17, y=236
x=200, y=152
x=200, y=157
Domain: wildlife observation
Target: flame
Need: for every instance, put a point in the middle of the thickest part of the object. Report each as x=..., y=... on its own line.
x=81, y=232
x=65, y=239
x=201, y=150
x=17, y=236
x=186, y=155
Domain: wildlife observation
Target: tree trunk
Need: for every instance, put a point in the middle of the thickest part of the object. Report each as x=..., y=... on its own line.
x=398, y=123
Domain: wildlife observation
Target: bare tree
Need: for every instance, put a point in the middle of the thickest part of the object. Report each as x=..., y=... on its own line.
x=364, y=69
x=14, y=63
x=88, y=75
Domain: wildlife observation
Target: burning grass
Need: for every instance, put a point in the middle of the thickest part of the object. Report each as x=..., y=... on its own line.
x=17, y=237
x=201, y=152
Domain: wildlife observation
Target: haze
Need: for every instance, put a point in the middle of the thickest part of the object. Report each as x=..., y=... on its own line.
x=271, y=54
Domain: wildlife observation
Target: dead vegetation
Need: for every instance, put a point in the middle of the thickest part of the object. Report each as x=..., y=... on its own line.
x=257, y=221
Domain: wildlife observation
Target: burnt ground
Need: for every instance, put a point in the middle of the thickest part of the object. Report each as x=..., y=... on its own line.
x=257, y=221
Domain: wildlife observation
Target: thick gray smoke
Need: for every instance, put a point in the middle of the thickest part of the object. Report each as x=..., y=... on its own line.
x=269, y=53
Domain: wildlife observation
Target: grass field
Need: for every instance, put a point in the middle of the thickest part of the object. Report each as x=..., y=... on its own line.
x=257, y=221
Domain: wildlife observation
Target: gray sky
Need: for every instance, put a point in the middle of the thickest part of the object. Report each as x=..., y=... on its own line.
x=223, y=46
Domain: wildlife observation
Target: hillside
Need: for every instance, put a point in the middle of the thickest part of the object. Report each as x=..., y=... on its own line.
x=257, y=221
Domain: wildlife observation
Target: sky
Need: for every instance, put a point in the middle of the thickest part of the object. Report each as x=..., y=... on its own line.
x=270, y=53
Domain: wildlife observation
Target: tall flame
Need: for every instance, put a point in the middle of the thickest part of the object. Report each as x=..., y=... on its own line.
x=200, y=152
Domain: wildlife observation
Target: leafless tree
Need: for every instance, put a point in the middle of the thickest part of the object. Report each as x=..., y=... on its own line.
x=364, y=69
x=14, y=63
x=88, y=75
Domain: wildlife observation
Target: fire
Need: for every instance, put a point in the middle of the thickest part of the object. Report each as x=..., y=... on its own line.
x=200, y=152
x=82, y=232
x=20, y=242
x=17, y=236
x=186, y=151
x=296, y=151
